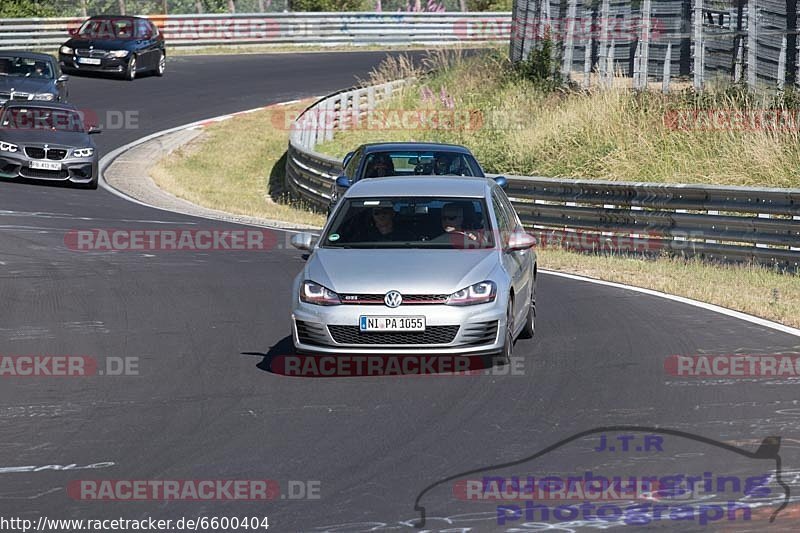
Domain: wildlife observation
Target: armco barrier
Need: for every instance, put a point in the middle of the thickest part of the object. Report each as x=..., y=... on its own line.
x=358, y=28
x=714, y=222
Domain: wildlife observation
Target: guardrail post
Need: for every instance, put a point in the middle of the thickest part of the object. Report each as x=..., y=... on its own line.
x=587, y=62
x=793, y=248
x=763, y=215
x=603, y=47
x=329, y=120
x=712, y=241
x=644, y=59
x=667, y=77
x=569, y=45
x=609, y=81
x=782, y=65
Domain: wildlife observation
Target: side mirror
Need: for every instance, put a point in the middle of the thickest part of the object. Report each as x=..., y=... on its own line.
x=343, y=182
x=501, y=181
x=62, y=79
x=303, y=241
x=519, y=240
x=94, y=131
x=347, y=158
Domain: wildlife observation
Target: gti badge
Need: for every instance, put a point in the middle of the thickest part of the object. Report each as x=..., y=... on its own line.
x=392, y=299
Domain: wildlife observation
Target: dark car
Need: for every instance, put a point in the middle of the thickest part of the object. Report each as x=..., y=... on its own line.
x=47, y=141
x=31, y=76
x=120, y=45
x=404, y=159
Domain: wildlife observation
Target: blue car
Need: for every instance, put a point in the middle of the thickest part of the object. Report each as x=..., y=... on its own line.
x=377, y=160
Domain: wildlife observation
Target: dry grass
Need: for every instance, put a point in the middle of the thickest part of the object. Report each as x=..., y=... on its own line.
x=241, y=185
x=612, y=134
x=751, y=289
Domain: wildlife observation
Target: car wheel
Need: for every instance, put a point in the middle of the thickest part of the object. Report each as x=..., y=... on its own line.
x=530, y=322
x=130, y=73
x=162, y=64
x=504, y=357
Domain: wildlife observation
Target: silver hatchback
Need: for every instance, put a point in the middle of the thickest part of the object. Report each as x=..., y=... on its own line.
x=408, y=265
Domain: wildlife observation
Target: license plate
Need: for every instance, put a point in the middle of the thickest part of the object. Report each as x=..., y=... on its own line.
x=88, y=60
x=45, y=165
x=391, y=323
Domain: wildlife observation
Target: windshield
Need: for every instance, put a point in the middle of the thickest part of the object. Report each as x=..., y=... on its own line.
x=42, y=118
x=445, y=223
x=409, y=163
x=25, y=67
x=107, y=29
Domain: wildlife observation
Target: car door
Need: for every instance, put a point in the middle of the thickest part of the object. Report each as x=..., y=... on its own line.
x=516, y=263
x=144, y=45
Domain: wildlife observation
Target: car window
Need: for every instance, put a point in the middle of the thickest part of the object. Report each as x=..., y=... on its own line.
x=107, y=29
x=25, y=67
x=414, y=162
x=410, y=222
x=352, y=165
x=42, y=118
x=513, y=217
x=153, y=29
x=503, y=223
x=143, y=30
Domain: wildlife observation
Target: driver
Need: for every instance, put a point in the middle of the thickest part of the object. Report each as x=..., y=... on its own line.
x=441, y=164
x=379, y=167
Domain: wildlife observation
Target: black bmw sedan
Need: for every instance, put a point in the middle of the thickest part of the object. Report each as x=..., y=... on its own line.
x=121, y=45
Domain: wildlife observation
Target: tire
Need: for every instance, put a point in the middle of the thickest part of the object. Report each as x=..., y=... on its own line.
x=130, y=72
x=530, y=322
x=504, y=357
x=161, y=66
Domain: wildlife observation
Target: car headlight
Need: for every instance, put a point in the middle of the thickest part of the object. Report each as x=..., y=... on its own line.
x=314, y=293
x=44, y=96
x=118, y=53
x=66, y=50
x=83, y=152
x=8, y=147
x=480, y=293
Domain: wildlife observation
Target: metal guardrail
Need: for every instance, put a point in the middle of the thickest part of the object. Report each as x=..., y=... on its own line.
x=714, y=222
x=357, y=28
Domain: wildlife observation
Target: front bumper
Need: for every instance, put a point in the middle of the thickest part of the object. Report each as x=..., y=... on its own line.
x=75, y=170
x=477, y=328
x=112, y=64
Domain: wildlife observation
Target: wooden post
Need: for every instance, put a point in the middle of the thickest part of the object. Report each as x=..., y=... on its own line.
x=752, y=43
x=198, y=4
x=782, y=65
x=738, y=68
x=232, y=6
x=698, y=45
x=667, y=70
x=84, y=12
x=603, y=51
x=569, y=44
x=644, y=58
x=121, y=4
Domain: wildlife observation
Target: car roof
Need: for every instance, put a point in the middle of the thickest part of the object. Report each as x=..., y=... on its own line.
x=37, y=103
x=27, y=55
x=116, y=17
x=415, y=146
x=446, y=186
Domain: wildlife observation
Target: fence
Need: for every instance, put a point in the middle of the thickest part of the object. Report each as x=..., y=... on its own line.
x=752, y=40
x=384, y=29
x=720, y=223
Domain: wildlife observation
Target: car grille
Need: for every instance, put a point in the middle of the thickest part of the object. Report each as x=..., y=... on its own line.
x=408, y=299
x=311, y=332
x=44, y=174
x=432, y=335
x=15, y=96
x=480, y=333
x=54, y=154
x=85, y=52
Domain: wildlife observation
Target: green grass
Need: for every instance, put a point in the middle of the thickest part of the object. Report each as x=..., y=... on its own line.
x=616, y=134
x=248, y=184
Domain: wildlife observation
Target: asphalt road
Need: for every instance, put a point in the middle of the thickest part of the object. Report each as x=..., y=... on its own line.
x=203, y=328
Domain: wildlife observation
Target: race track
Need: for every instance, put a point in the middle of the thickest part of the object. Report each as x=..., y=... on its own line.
x=204, y=326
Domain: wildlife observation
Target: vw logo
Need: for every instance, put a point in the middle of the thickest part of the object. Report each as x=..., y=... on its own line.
x=393, y=299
